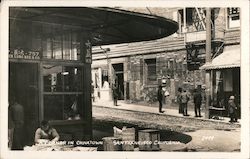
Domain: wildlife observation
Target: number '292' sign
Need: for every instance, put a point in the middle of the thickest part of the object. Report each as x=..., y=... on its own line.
x=88, y=53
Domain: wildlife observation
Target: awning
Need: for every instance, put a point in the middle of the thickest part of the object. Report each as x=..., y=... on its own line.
x=106, y=25
x=230, y=58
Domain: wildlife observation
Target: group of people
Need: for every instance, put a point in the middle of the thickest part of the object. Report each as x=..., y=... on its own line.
x=183, y=97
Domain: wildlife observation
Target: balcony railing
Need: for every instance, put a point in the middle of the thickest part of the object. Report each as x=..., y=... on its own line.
x=196, y=36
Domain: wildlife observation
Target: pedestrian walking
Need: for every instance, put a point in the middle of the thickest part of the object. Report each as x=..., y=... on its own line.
x=197, y=102
x=115, y=94
x=160, y=95
x=179, y=100
x=232, y=109
x=16, y=112
x=184, y=100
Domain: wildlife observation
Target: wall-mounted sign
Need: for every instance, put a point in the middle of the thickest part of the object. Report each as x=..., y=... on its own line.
x=20, y=53
x=88, y=55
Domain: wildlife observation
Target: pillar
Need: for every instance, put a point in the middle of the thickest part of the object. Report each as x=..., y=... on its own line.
x=86, y=56
x=208, y=60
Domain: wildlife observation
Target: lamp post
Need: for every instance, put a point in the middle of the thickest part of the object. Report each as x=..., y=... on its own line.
x=105, y=51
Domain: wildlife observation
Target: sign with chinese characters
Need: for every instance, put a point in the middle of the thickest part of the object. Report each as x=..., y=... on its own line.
x=20, y=53
x=88, y=55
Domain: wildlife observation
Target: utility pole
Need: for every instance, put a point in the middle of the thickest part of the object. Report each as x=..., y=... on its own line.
x=208, y=60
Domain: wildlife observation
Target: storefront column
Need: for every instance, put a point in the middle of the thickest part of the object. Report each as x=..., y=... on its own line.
x=40, y=93
x=86, y=54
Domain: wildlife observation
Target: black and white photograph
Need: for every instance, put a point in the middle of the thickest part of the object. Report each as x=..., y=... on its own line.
x=123, y=79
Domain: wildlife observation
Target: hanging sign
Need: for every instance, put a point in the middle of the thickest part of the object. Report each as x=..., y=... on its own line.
x=88, y=54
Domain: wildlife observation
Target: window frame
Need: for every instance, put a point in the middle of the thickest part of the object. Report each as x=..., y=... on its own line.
x=228, y=16
x=146, y=64
x=61, y=93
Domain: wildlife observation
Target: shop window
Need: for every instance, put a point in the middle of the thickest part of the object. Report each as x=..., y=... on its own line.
x=62, y=106
x=151, y=70
x=233, y=17
x=62, y=92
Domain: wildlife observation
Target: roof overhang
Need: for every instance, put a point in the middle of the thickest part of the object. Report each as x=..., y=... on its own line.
x=105, y=25
x=230, y=58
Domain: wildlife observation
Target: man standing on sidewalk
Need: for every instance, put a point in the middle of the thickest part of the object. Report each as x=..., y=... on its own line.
x=184, y=101
x=197, y=102
x=160, y=95
x=179, y=100
x=115, y=93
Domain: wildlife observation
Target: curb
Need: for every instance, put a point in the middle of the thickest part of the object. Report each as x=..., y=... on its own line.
x=189, y=118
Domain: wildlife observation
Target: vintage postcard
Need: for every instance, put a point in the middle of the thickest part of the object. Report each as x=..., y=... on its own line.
x=124, y=79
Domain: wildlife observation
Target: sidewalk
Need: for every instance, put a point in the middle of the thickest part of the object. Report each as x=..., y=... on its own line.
x=152, y=109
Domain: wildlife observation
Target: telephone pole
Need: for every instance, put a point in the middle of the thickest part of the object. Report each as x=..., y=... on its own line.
x=208, y=60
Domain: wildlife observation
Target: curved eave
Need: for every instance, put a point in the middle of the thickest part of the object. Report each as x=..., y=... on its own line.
x=105, y=25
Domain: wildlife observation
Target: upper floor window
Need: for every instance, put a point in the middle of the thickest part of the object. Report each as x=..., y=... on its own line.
x=233, y=16
x=185, y=17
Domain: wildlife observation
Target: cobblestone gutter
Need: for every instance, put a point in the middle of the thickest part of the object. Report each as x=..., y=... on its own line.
x=106, y=115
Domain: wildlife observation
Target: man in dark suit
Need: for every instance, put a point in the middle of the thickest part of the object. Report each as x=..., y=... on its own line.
x=197, y=102
x=160, y=98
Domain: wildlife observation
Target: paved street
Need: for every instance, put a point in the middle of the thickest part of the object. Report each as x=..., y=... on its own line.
x=199, y=129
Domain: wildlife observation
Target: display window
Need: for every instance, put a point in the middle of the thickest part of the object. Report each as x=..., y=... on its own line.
x=62, y=92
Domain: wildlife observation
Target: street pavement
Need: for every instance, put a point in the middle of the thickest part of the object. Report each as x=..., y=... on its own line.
x=205, y=134
x=169, y=110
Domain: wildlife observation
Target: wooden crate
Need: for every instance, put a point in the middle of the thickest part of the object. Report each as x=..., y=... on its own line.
x=148, y=136
x=128, y=135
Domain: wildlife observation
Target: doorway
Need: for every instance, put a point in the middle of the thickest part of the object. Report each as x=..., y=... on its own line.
x=23, y=85
x=119, y=79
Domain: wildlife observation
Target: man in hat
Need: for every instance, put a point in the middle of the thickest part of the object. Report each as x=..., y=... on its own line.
x=160, y=98
x=232, y=108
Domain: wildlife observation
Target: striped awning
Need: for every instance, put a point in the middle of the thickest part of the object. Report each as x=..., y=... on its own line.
x=230, y=58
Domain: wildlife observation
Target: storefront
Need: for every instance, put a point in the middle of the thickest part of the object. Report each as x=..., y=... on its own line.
x=50, y=77
x=50, y=61
x=225, y=80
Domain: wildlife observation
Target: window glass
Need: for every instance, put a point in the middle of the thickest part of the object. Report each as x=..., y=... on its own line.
x=62, y=78
x=63, y=44
x=63, y=106
x=151, y=69
x=57, y=48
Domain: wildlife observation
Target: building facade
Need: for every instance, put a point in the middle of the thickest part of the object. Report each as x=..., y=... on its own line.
x=175, y=61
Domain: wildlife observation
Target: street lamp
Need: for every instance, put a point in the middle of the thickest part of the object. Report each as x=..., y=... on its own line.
x=105, y=51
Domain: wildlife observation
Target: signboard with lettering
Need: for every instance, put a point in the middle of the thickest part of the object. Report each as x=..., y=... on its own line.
x=88, y=54
x=20, y=53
